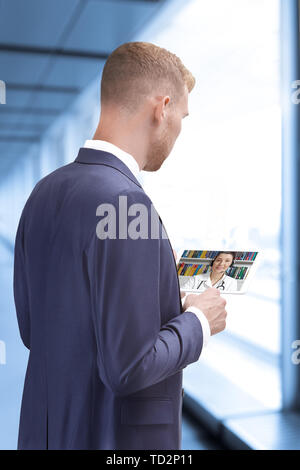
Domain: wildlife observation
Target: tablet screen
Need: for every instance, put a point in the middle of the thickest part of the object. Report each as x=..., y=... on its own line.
x=228, y=271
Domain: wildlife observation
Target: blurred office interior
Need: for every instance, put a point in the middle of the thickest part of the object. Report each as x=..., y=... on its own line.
x=230, y=182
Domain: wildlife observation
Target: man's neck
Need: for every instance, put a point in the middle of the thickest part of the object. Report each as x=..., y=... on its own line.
x=127, y=144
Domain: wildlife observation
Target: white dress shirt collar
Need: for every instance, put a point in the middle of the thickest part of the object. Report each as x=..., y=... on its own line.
x=126, y=158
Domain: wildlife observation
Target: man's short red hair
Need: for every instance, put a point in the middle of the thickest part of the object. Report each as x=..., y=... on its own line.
x=135, y=69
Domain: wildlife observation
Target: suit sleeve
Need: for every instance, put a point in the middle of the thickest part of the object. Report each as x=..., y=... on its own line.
x=20, y=285
x=134, y=350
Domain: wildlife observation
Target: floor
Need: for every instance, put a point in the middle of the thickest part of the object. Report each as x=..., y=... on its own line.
x=195, y=437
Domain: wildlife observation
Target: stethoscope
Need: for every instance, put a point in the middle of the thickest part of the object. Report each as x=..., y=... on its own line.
x=220, y=286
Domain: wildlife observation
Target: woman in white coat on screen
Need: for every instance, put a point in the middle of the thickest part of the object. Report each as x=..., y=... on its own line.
x=215, y=277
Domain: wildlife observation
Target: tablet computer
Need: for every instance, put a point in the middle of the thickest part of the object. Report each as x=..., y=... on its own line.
x=229, y=271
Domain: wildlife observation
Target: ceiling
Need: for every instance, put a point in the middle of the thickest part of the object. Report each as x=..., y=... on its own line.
x=50, y=50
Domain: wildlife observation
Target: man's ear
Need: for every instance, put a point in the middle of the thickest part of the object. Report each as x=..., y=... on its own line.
x=160, y=108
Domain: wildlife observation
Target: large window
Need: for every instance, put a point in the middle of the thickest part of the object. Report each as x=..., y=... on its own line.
x=221, y=185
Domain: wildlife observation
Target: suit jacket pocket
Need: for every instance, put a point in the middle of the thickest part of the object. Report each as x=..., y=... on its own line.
x=144, y=410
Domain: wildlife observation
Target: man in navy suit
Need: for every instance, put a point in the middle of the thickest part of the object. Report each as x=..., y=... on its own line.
x=95, y=282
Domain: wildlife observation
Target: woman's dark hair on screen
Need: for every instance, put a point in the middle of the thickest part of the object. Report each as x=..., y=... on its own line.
x=232, y=253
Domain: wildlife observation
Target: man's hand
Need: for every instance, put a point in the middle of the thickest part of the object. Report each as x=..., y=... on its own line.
x=212, y=305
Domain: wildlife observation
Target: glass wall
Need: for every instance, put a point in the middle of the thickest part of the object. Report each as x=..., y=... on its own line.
x=221, y=185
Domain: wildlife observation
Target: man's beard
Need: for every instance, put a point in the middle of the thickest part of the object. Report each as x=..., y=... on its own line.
x=159, y=151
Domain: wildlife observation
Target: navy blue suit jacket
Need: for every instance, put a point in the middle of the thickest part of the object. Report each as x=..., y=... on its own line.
x=102, y=318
